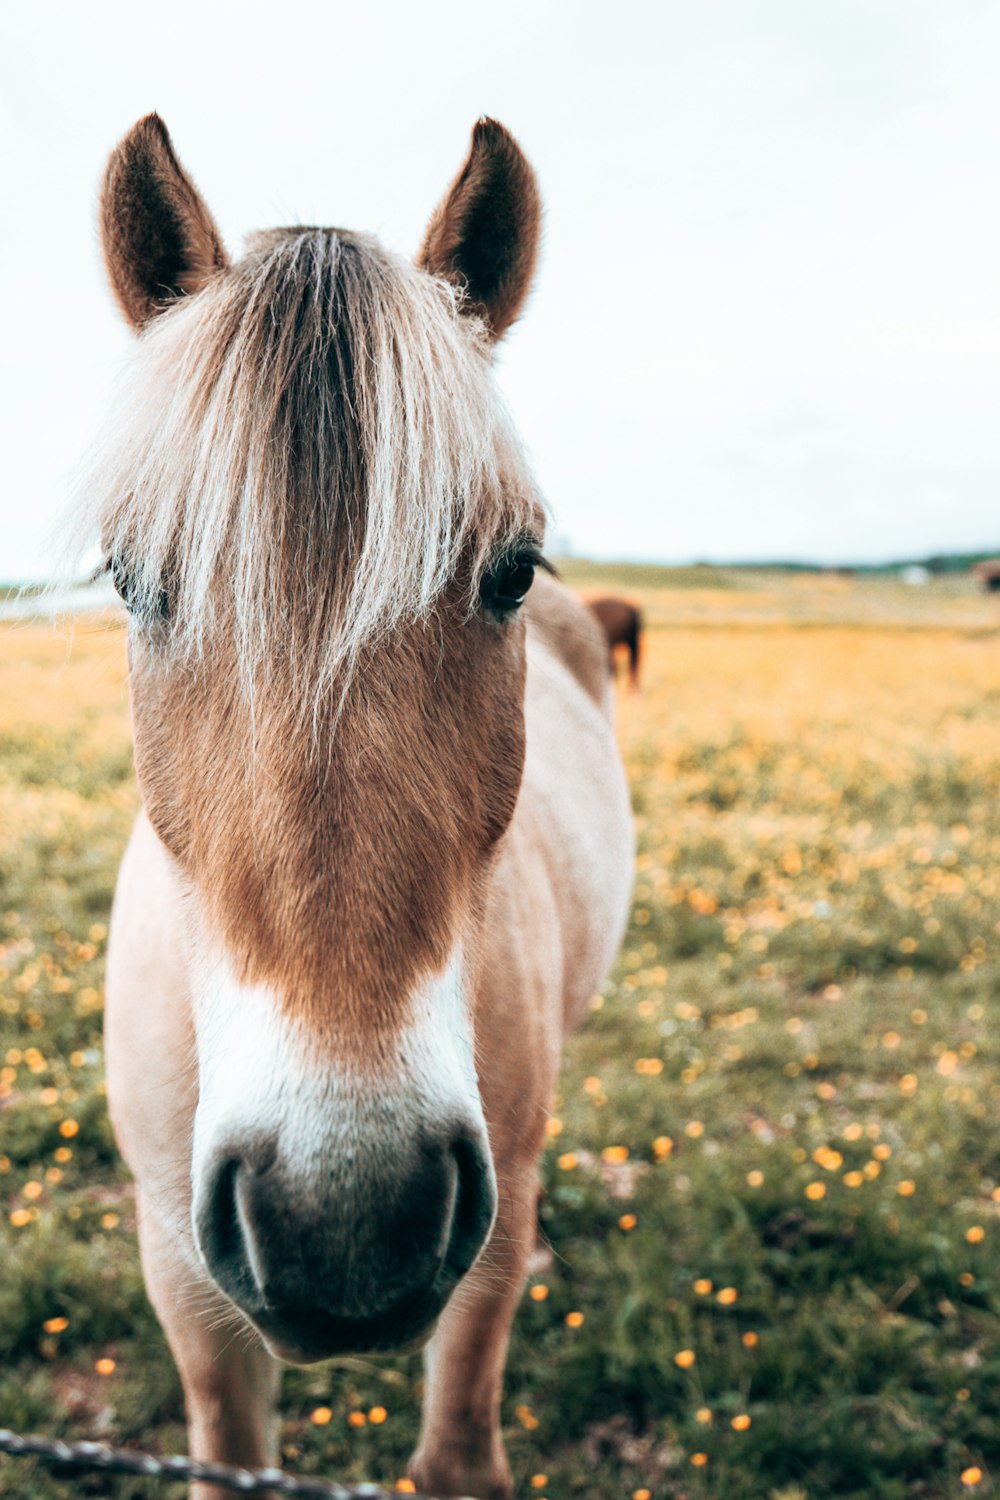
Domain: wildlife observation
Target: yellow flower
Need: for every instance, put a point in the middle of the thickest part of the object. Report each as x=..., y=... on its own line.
x=815, y=1191
x=321, y=1415
x=574, y=1319
x=906, y=1188
x=727, y=1296
x=539, y=1481
x=741, y=1422
x=684, y=1358
x=751, y=1340
x=56, y=1325
x=972, y=1475
x=627, y=1221
x=755, y=1178
x=356, y=1418
x=615, y=1154
x=662, y=1147
x=975, y=1234
x=539, y=1293
x=703, y=1286
x=703, y=1415
x=105, y=1366
x=699, y=1460
x=567, y=1161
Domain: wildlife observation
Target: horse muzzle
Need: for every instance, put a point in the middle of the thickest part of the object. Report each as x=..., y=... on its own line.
x=360, y=1257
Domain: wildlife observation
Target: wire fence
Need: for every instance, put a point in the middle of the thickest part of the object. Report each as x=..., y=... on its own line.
x=98, y=1458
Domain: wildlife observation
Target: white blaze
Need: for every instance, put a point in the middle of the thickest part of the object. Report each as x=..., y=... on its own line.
x=262, y=1074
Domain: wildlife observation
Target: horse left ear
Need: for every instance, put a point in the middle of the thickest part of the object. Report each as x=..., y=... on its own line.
x=484, y=236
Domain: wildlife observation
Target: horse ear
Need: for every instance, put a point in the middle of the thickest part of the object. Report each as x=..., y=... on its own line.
x=160, y=241
x=485, y=234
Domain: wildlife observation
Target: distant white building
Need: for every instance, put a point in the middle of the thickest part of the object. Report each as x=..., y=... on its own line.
x=915, y=573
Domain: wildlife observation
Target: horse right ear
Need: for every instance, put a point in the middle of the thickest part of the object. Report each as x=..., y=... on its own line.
x=159, y=239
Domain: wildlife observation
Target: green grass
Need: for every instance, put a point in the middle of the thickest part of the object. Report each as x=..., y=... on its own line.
x=809, y=986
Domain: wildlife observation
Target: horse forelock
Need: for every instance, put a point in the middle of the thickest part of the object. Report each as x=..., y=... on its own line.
x=300, y=457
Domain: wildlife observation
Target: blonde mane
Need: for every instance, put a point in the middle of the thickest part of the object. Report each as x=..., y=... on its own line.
x=301, y=457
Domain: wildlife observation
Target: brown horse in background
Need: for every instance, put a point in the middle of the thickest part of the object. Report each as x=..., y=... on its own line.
x=384, y=859
x=622, y=624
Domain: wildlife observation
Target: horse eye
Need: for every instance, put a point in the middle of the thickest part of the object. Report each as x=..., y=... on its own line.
x=505, y=585
x=122, y=580
x=126, y=591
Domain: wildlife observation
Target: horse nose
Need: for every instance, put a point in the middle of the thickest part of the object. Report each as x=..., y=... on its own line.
x=350, y=1258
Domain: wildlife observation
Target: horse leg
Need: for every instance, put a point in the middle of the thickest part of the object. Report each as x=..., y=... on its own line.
x=230, y=1381
x=461, y=1451
x=634, y=635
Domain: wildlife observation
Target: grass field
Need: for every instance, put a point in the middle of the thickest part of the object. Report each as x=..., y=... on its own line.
x=774, y=1164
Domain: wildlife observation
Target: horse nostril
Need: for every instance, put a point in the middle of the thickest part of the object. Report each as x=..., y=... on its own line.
x=223, y=1223
x=221, y=1234
x=475, y=1205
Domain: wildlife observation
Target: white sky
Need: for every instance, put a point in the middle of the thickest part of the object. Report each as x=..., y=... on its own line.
x=767, y=320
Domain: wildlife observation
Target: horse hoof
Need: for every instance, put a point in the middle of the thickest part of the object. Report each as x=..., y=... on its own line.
x=445, y=1479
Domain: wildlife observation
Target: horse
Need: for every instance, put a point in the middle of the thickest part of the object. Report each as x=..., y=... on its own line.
x=622, y=625
x=383, y=859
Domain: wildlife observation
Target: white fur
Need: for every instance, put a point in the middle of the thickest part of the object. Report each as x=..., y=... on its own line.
x=260, y=1075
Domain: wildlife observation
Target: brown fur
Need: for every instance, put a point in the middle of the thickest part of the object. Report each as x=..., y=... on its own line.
x=160, y=242
x=622, y=625
x=337, y=863
x=485, y=234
